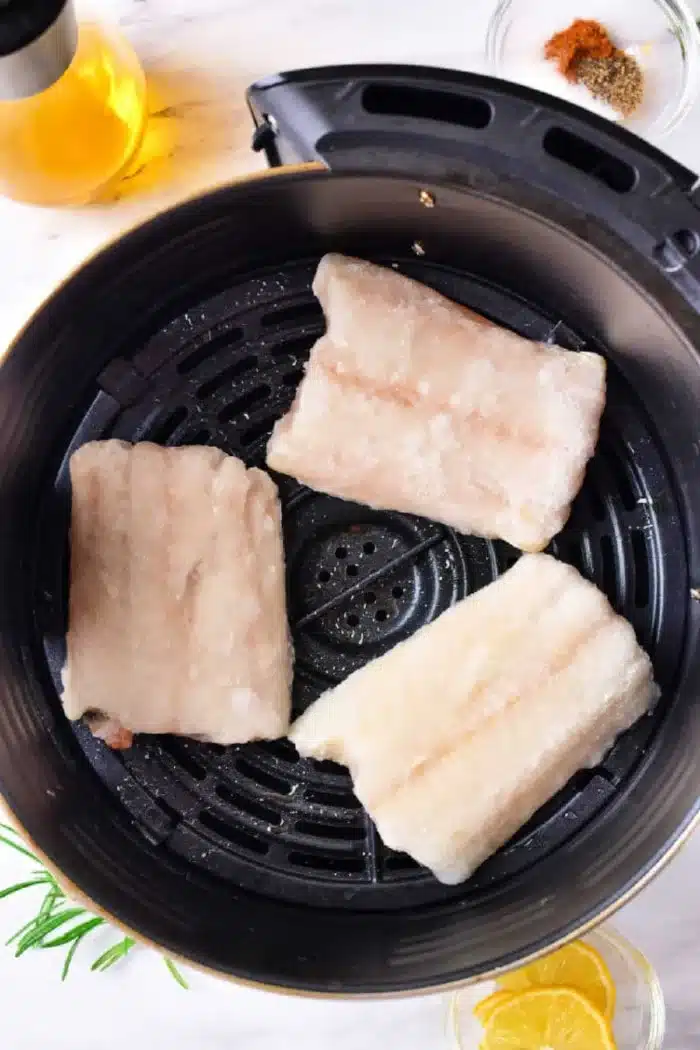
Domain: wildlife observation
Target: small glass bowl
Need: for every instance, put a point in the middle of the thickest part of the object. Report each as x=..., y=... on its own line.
x=661, y=34
x=639, y=1021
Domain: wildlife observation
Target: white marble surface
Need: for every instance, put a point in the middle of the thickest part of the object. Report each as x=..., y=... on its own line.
x=200, y=54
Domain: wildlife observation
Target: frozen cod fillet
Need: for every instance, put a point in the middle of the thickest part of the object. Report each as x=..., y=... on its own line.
x=177, y=619
x=458, y=735
x=413, y=403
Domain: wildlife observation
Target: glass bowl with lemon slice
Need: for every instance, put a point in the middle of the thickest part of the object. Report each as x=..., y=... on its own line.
x=597, y=993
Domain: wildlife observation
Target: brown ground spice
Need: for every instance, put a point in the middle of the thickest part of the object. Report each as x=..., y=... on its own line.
x=619, y=81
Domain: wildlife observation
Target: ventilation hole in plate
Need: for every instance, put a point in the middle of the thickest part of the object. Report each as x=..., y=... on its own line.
x=263, y=777
x=577, y=558
x=370, y=598
x=293, y=378
x=251, y=806
x=179, y=752
x=369, y=547
x=595, y=502
x=238, y=368
x=341, y=552
x=328, y=798
x=305, y=311
x=509, y=558
x=326, y=766
x=351, y=570
x=224, y=341
x=241, y=404
x=352, y=620
x=342, y=832
x=400, y=862
x=260, y=430
x=169, y=811
x=568, y=549
x=397, y=592
x=625, y=484
x=165, y=429
x=641, y=568
x=607, y=551
x=292, y=347
x=381, y=615
x=349, y=865
x=324, y=576
x=232, y=833
x=284, y=750
x=197, y=437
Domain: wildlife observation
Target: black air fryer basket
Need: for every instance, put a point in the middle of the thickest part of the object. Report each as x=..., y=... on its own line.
x=194, y=329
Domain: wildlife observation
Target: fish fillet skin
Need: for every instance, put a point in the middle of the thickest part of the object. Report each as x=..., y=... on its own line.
x=458, y=735
x=177, y=612
x=413, y=403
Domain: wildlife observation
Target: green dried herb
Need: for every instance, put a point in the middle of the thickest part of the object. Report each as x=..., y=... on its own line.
x=59, y=923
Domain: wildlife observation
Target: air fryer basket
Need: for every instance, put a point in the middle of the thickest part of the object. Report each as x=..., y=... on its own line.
x=194, y=329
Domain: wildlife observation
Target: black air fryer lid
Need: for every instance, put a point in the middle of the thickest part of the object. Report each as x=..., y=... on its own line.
x=195, y=329
x=482, y=132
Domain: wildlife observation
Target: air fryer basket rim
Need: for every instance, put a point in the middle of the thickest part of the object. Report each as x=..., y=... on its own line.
x=213, y=202
x=592, y=923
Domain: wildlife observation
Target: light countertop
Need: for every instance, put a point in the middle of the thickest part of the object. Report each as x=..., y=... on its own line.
x=200, y=54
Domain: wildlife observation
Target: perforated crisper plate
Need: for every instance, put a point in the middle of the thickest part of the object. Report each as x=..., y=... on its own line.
x=358, y=582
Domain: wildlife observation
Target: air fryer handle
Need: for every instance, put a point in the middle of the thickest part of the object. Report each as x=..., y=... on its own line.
x=481, y=132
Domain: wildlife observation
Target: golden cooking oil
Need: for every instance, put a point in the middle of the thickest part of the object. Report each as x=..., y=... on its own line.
x=72, y=105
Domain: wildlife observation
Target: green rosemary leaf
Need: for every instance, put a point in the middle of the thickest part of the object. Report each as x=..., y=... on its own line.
x=40, y=929
x=47, y=875
x=21, y=886
x=69, y=958
x=52, y=898
x=22, y=929
x=9, y=828
x=55, y=913
x=75, y=933
x=175, y=972
x=113, y=954
x=48, y=904
x=16, y=846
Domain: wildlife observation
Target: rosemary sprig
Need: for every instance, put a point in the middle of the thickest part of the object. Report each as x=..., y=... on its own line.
x=59, y=923
x=113, y=954
x=174, y=972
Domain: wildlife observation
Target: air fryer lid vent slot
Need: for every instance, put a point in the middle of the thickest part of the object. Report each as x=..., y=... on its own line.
x=415, y=102
x=591, y=159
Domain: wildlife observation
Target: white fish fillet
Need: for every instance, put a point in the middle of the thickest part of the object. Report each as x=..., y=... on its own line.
x=177, y=618
x=413, y=403
x=458, y=735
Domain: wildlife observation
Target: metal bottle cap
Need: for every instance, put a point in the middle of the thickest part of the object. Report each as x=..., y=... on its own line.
x=38, y=41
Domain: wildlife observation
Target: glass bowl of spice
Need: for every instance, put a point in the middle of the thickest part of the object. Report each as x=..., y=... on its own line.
x=632, y=61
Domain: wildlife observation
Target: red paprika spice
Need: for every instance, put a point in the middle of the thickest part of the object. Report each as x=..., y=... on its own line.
x=583, y=39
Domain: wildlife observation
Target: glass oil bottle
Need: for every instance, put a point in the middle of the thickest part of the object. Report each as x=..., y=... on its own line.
x=72, y=104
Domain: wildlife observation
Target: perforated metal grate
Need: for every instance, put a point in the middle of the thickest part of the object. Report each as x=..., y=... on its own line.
x=358, y=581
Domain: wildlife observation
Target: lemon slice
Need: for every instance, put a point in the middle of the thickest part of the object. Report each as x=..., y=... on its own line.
x=577, y=965
x=483, y=1010
x=547, y=1019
